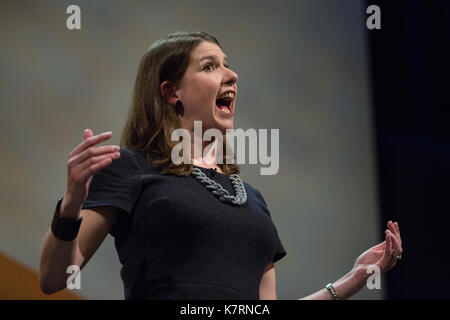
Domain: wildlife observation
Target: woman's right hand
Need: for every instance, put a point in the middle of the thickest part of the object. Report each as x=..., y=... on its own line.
x=84, y=161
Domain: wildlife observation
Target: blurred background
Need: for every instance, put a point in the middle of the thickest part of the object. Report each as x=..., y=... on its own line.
x=362, y=118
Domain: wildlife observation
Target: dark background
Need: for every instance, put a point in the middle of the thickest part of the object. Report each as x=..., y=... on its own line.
x=410, y=69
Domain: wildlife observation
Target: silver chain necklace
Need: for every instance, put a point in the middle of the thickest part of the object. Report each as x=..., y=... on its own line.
x=217, y=189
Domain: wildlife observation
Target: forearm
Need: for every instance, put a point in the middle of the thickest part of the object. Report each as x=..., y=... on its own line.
x=56, y=256
x=348, y=285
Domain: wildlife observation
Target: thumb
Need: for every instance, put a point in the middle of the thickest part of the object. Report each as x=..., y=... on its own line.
x=88, y=133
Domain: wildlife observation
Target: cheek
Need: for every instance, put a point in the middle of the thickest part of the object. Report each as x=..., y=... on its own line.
x=204, y=89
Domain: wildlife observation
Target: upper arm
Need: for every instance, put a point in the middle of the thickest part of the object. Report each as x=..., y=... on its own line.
x=95, y=226
x=267, y=286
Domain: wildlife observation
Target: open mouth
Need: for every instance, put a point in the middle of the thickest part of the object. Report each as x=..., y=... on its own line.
x=224, y=105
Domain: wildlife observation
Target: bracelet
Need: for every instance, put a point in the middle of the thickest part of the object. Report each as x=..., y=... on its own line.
x=65, y=229
x=331, y=290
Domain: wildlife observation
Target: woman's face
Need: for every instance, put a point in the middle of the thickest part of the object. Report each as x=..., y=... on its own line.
x=206, y=79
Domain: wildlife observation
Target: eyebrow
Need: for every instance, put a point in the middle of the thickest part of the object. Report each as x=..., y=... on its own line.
x=214, y=57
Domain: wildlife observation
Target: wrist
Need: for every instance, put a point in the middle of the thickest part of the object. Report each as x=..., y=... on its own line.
x=348, y=285
x=360, y=273
x=67, y=210
x=65, y=229
x=332, y=291
x=358, y=277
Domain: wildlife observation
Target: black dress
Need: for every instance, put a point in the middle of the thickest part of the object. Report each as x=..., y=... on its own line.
x=176, y=240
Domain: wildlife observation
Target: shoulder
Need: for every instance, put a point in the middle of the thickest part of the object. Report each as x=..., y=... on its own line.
x=129, y=154
x=138, y=159
x=126, y=162
x=132, y=156
x=249, y=188
x=255, y=194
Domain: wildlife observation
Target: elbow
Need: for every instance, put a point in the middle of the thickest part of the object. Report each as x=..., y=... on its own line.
x=268, y=296
x=47, y=290
x=47, y=287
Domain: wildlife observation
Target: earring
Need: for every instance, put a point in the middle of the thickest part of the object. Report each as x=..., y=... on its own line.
x=179, y=109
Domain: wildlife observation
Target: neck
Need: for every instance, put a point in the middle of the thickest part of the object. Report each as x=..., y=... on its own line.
x=203, y=153
x=206, y=157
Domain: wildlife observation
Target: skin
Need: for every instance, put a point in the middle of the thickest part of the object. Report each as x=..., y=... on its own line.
x=381, y=255
x=203, y=82
x=56, y=255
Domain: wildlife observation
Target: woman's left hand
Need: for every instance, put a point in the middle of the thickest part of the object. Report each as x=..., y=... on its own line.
x=382, y=255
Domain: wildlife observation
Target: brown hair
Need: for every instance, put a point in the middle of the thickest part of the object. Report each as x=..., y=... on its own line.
x=151, y=118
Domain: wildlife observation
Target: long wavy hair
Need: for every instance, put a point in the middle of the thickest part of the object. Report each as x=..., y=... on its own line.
x=151, y=119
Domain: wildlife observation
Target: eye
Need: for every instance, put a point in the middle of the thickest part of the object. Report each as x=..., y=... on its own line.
x=208, y=65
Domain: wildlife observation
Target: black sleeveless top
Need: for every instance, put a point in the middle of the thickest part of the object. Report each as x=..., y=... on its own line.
x=176, y=240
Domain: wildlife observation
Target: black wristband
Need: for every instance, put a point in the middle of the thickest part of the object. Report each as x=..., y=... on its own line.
x=65, y=229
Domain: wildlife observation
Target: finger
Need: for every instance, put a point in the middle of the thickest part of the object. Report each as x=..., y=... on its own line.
x=94, y=159
x=390, y=258
x=380, y=246
x=390, y=226
x=87, y=133
x=92, y=152
x=88, y=172
x=397, y=248
x=398, y=232
x=387, y=256
x=90, y=141
x=394, y=230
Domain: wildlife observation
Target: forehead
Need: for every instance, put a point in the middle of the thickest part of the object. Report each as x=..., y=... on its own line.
x=207, y=49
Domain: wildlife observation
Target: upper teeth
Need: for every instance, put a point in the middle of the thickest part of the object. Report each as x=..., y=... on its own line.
x=227, y=95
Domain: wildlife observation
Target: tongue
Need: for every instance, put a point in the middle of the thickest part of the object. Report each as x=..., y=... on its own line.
x=223, y=105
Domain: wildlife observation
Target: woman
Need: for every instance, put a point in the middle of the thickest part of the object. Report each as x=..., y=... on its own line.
x=175, y=238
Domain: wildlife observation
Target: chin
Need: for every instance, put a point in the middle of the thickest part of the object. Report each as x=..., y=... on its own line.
x=223, y=125
x=223, y=121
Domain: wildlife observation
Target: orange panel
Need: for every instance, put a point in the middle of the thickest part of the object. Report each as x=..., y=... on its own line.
x=18, y=282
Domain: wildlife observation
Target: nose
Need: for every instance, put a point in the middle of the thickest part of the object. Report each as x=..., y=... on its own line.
x=230, y=77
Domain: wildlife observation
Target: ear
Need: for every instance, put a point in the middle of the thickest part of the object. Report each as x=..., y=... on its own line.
x=169, y=92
